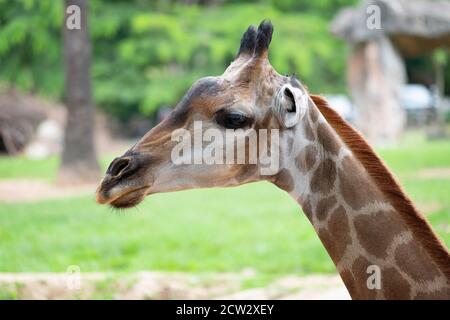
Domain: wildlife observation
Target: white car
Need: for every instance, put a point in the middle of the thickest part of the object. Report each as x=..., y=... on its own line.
x=415, y=97
x=342, y=105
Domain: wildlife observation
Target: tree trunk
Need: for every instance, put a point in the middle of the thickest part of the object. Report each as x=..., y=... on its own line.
x=79, y=160
x=376, y=75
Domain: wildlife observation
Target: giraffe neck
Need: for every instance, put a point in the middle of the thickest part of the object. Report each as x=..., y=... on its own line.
x=377, y=253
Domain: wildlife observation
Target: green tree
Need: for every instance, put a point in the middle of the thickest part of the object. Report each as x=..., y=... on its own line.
x=147, y=53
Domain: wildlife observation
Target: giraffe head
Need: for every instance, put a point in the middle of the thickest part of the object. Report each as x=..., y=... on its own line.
x=249, y=96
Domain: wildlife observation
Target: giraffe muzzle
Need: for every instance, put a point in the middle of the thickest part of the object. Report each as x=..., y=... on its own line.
x=123, y=185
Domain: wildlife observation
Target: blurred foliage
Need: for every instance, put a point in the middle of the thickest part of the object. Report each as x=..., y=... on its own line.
x=147, y=53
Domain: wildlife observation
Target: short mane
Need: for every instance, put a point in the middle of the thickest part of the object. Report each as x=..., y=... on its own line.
x=378, y=171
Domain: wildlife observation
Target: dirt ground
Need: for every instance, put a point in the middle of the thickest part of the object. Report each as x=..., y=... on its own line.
x=156, y=285
x=28, y=190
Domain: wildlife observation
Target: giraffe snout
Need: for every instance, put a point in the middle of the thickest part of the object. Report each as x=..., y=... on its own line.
x=125, y=183
x=119, y=167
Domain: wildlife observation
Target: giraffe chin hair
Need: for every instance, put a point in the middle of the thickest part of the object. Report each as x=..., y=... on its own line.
x=127, y=202
x=124, y=200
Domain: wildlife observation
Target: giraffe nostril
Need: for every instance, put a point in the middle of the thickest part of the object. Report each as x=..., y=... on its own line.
x=119, y=166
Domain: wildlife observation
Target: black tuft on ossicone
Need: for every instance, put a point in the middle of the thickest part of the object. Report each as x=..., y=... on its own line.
x=264, y=36
x=248, y=41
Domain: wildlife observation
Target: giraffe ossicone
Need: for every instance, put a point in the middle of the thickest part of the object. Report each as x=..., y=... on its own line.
x=360, y=213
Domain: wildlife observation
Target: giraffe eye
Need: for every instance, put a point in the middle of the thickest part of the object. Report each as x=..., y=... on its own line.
x=232, y=120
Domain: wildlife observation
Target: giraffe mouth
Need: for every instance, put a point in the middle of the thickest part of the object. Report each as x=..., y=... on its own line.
x=127, y=198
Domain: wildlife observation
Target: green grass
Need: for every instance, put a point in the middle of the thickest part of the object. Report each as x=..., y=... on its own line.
x=253, y=226
x=46, y=169
x=416, y=153
x=20, y=167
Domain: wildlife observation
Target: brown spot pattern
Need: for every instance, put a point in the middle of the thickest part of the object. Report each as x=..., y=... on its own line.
x=327, y=139
x=306, y=159
x=359, y=270
x=327, y=241
x=394, y=286
x=290, y=143
x=355, y=185
x=336, y=236
x=313, y=113
x=339, y=229
x=284, y=180
x=413, y=260
x=376, y=231
x=350, y=283
x=309, y=134
x=266, y=121
x=443, y=294
x=324, y=206
x=307, y=208
x=324, y=177
x=247, y=172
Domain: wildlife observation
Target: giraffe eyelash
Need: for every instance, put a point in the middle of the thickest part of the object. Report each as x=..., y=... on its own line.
x=232, y=119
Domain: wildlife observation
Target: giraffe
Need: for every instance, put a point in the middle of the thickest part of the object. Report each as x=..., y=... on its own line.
x=353, y=202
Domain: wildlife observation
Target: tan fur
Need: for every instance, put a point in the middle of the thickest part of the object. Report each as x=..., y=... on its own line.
x=389, y=186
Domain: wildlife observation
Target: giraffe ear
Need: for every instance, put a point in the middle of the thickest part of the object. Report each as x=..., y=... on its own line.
x=290, y=105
